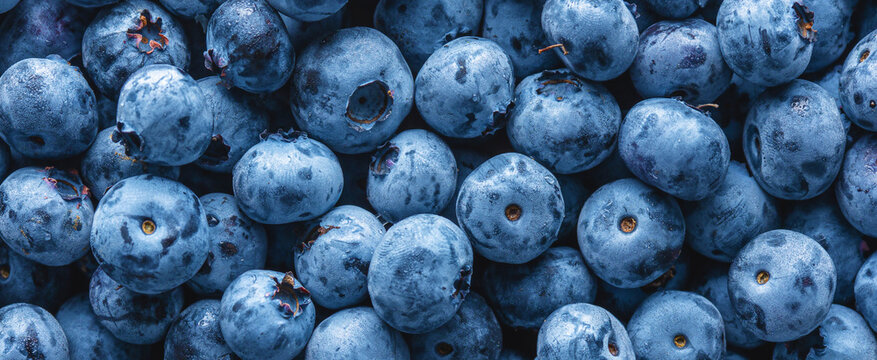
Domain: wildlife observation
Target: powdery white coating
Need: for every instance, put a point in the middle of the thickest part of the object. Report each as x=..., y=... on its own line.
x=473, y=333
x=30, y=332
x=583, y=332
x=356, y=334
x=662, y=317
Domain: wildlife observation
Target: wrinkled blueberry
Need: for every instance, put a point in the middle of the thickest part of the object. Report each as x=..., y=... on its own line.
x=582, y=332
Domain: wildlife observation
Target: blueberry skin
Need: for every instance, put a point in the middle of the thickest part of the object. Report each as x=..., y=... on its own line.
x=351, y=100
x=373, y=339
x=865, y=290
x=524, y=295
x=564, y=122
x=626, y=209
x=48, y=215
x=421, y=27
x=238, y=119
x=310, y=11
x=784, y=156
x=714, y=287
x=676, y=9
x=192, y=9
x=574, y=194
x=236, y=245
x=420, y=272
x=150, y=234
x=88, y=339
x=196, y=334
x=643, y=13
x=92, y=3
x=798, y=282
x=854, y=184
x=105, y=164
x=47, y=109
x=30, y=282
x=473, y=333
x=30, y=332
x=111, y=51
x=39, y=28
x=466, y=88
x=584, y=332
x=334, y=253
x=843, y=334
x=599, y=38
x=834, y=20
x=719, y=225
x=511, y=208
x=655, y=327
x=301, y=33
x=680, y=58
x=257, y=56
x=516, y=26
x=306, y=179
x=266, y=315
x=623, y=302
x=414, y=173
x=856, y=84
x=468, y=159
x=764, y=41
x=6, y=5
x=674, y=147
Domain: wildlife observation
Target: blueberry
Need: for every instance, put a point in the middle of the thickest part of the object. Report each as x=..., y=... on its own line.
x=266, y=315
x=419, y=274
x=301, y=33
x=260, y=61
x=351, y=100
x=781, y=285
x=829, y=80
x=6, y=5
x=643, y=13
x=473, y=333
x=574, y=195
x=842, y=335
x=466, y=88
x=854, y=185
x=314, y=10
x=48, y=215
x=516, y=26
x=47, y=109
x=596, y=40
x=832, y=20
x=511, y=208
x=629, y=233
x=676, y=9
x=22, y=280
x=583, y=331
x=566, y=123
x=356, y=334
x=714, y=287
x=30, y=332
x=624, y=302
x=306, y=179
x=92, y=3
x=677, y=325
x=39, y=28
x=524, y=295
x=857, y=87
x=192, y=9
x=865, y=290
x=196, y=334
x=150, y=234
x=88, y=339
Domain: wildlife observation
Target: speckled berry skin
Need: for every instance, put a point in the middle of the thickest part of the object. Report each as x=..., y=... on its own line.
x=150, y=234
x=88, y=339
x=673, y=147
x=865, y=290
x=630, y=254
x=857, y=83
x=762, y=40
x=574, y=194
x=47, y=215
x=39, y=28
x=310, y=10
x=511, y=208
x=583, y=332
x=420, y=272
x=516, y=26
x=794, y=296
x=257, y=56
x=352, y=101
x=656, y=325
x=30, y=332
x=132, y=317
x=306, y=179
x=266, y=315
x=47, y=109
x=784, y=156
x=196, y=334
x=714, y=287
x=473, y=333
x=854, y=185
x=680, y=58
x=524, y=295
x=421, y=27
x=373, y=338
x=623, y=302
x=719, y=225
x=238, y=119
x=564, y=122
x=833, y=21
x=466, y=88
x=27, y=281
x=842, y=335
x=192, y=9
x=676, y=9
x=599, y=38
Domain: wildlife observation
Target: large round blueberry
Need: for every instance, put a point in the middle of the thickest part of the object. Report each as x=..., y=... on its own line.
x=466, y=88
x=47, y=109
x=473, y=333
x=47, y=215
x=595, y=39
x=310, y=11
x=674, y=147
x=524, y=295
x=23, y=280
x=858, y=83
x=842, y=335
x=677, y=325
x=676, y=9
x=583, y=332
x=714, y=287
x=865, y=290
x=150, y=234
x=266, y=315
x=623, y=302
x=371, y=338
x=419, y=274
x=351, y=100
x=781, y=285
x=511, y=208
x=832, y=19
x=630, y=233
x=39, y=28
x=88, y=339
x=196, y=335
x=30, y=332
x=564, y=122
x=200, y=10
x=857, y=179
x=306, y=179
x=516, y=26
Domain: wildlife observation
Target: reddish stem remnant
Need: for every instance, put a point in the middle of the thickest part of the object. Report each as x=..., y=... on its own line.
x=805, y=21
x=288, y=288
x=562, y=48
x=149, y=32
x=314, y=234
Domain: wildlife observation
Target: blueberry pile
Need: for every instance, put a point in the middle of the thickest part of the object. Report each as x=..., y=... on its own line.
x=438, y=179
